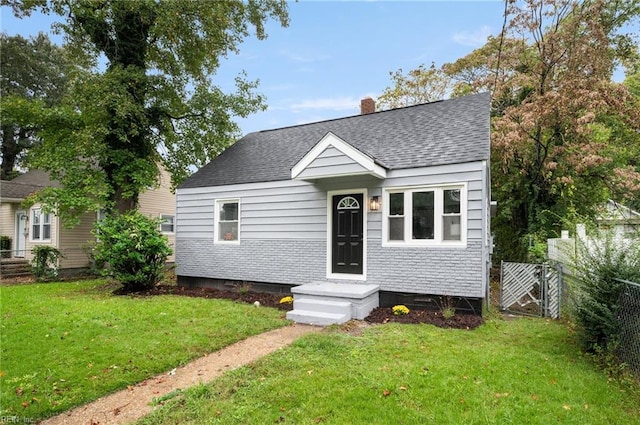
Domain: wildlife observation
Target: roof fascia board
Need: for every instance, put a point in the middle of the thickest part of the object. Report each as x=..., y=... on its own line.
x=331, y=139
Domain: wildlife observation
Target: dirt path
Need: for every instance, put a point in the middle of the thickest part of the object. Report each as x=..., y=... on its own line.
x=134, y=402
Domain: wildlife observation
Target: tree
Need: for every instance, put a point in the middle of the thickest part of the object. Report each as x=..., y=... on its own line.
x=31, y=70
x=564, y=135
x=632, y=135
x=156, y=93
x=420, y=85
x=558, y=147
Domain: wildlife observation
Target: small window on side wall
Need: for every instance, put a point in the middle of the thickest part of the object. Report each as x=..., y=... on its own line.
x=167, y=223
x=227, y=221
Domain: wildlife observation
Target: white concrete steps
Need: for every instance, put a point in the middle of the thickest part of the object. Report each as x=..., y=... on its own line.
x=320, y=312
x=326, y=303
x=322, y=305
x=317, y=318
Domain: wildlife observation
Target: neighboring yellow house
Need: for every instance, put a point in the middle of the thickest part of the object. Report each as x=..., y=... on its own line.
x=31, y=227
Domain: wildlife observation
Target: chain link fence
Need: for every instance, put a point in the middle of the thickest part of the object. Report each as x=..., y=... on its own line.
x=628, y=350
x=629, y=319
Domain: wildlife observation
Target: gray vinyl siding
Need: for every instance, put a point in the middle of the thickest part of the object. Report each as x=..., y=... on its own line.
x=268, y=211
x=283, y=234
x=331, y=162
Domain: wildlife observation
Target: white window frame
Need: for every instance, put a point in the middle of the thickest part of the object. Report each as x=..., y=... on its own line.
x=438, y=240
x=41, y=215
x=216, y=221
x=163, y=217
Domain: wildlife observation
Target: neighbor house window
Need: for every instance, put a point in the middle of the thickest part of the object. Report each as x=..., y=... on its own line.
x=227, y=220
x=424, y=215
x=101, y=215
x=40, y=225
x=167, y=223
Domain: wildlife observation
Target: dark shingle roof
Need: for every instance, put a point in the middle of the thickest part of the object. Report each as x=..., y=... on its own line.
x=36, y=177
x=444, y=132
x=15, y=190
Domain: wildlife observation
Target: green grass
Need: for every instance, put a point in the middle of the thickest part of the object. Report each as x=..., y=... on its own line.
x=527, y=371
x=64, y=344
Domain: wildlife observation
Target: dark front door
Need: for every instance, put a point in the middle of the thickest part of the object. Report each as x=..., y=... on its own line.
x=347, y=233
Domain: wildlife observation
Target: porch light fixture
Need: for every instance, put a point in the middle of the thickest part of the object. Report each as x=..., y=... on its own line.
x=374, y=204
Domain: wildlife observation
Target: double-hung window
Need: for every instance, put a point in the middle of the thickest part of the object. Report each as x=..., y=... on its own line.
x=167, y=223
x=227, y=221
x=425, y=215
x=40, y=225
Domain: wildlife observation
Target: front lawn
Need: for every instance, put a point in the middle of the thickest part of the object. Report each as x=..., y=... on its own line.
x=64, y=344
x=526, y=371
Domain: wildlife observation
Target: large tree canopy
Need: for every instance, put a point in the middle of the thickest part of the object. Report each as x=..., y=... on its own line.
x=564, y=135
x=153, y=100
x=31, y=71
x=559, y=144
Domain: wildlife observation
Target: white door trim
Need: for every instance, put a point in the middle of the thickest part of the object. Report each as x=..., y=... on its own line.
x=365, y=210
x=20, y=245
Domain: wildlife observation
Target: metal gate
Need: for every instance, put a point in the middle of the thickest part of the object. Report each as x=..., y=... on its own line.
x=531, y=289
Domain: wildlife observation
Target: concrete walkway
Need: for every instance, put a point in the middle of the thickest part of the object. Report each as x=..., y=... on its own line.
x=133, y=403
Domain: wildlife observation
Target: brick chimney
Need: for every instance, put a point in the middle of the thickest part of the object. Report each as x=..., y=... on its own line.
x=367, y=106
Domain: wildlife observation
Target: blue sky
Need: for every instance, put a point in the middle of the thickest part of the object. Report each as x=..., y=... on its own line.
x=334, y=53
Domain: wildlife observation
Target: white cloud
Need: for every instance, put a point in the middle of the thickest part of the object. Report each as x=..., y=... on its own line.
x=476, y=38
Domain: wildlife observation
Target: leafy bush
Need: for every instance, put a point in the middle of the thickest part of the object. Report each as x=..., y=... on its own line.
x=600, y=262
x=44, y=264
x=5, y=246
x=133, y=250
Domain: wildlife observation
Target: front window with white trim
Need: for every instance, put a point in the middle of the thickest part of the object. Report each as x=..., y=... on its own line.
x=425, y=215
x=40, y=225
x=227, y=221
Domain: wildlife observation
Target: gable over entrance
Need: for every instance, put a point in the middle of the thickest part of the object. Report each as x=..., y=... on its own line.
x=333, y=157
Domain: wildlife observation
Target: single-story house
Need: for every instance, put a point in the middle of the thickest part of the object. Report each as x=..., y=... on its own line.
x=29, y=227
x=393, y=204
x=622, y=220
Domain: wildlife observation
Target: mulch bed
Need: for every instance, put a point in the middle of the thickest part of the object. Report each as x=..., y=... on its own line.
x=265, y=299
x=378, y=315
x=458, y=321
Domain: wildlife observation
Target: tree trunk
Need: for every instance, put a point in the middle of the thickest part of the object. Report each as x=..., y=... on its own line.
x=10, y=151
x=124, y=205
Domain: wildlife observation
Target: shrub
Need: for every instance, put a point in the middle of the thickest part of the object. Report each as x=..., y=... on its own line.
x=133, y=250
x=446, y=307
x=600, y=262
x=5, y=246
x=44, y=264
